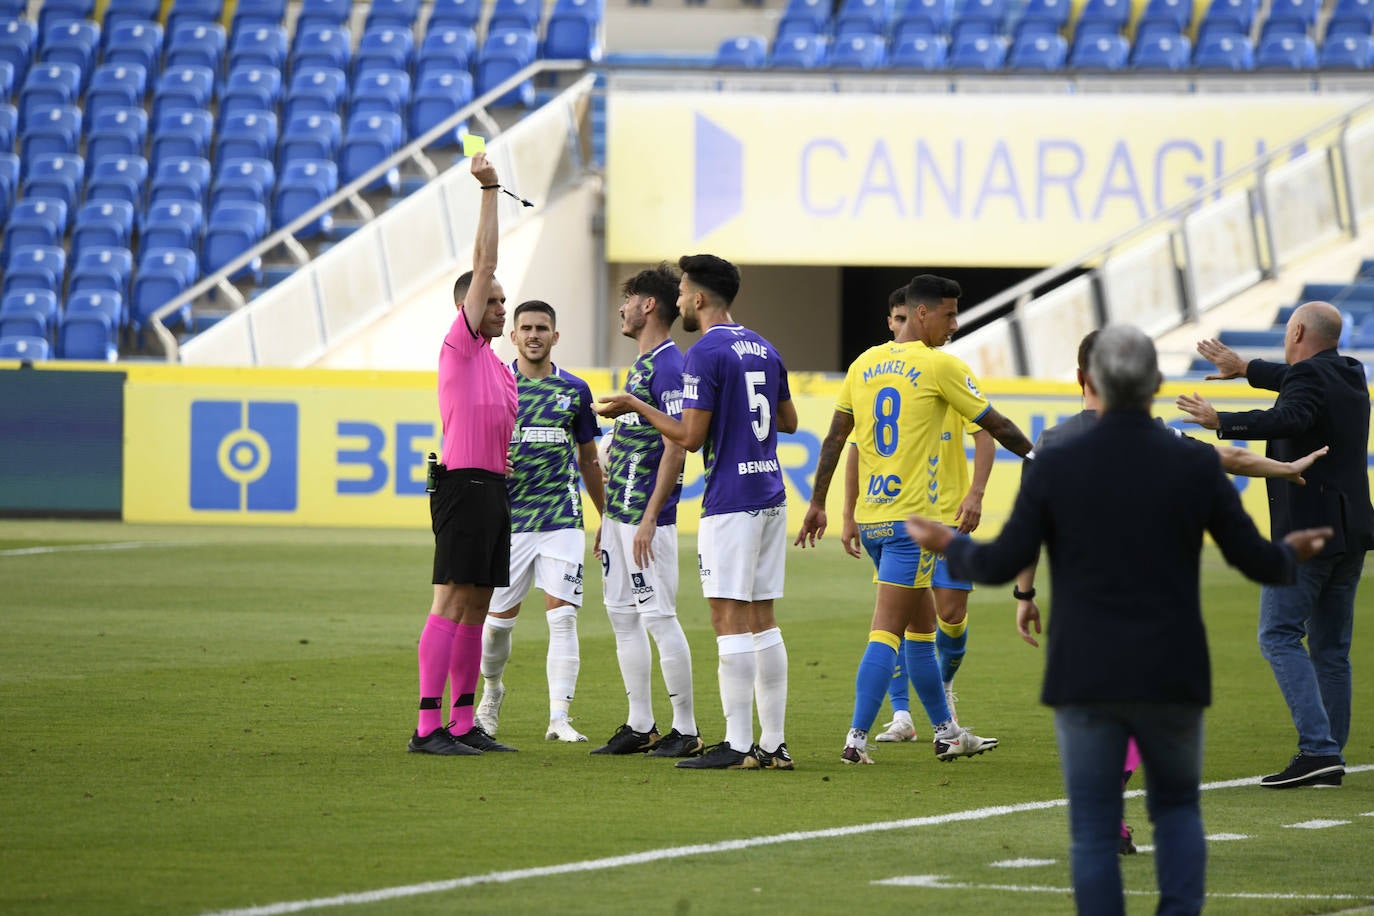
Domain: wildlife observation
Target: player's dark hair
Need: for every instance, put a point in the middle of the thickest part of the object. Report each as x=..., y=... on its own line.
x=952, y=288
x=715, y=275
x=1085, y=351
x=461, y=287
x=895, y=298
x=926, y=289
x=536, y=305
x=658, y=283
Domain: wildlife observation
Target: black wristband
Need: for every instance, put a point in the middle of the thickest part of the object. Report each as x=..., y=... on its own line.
x=1022, y=596
x=491, y=187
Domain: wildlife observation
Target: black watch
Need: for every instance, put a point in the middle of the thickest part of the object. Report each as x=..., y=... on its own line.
x=1022, y=596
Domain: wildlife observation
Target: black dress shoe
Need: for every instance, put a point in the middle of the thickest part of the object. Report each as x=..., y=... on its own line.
x=1307, y=770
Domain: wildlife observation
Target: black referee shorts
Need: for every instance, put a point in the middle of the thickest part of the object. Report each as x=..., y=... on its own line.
x=470, y=513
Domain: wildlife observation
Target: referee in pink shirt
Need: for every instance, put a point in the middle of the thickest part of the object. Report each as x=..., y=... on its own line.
x=469, y=507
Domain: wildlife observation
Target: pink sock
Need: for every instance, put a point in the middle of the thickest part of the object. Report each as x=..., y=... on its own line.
x=436, y=648
x=464, y=669
x=1132, y=757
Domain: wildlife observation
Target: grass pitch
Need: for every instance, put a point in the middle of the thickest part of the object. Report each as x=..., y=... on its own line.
x=205, y=719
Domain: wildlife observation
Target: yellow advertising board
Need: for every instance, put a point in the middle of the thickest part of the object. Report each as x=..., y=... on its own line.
x=348, y=449
x=885, y=178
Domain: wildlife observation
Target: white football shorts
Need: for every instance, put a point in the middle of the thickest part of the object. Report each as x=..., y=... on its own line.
x=649, y=591
x=742, y=555
x=550, y=561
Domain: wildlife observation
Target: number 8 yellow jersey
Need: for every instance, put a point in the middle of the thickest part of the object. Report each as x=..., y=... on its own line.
x=899, y=395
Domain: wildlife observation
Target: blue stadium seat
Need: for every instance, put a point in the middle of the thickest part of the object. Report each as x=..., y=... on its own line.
x=55, y=12
x=103, y=224
x=504, y=55
x=195, y=11
x=1162, y=53
x=173, y=224
x=1099, y=52
x=6, y=80
x=243, y=181
x=305, y=183
x=1351, y=17
x=399, y=14
x=263, y=46
x=36, y=267
x=182, y=135
x=9, y=126
x=322, y=47
x=380, y=91
x=1226, y=17
x=1347, y=52
x=858, y=52
x=744, y=51
x=46, y=86
x=251, y=89
x=35, y=221
x=1222, y=52
x=920, y=52
x=135, y=43
x=980, y=17
x=31, y=349
x=310, y=135
x=73, y=43
x=180, y=179
x=163, y=274
x=197, y=44
x=1286, y=52
x=802, y=52
x=9, y=183
x=118, y=178
x=1295, y=16
x=1103, y=17
x=864, y=17
x=55, y=175
x=1164, y=17
x=13, y=9
x=106, y=269
x=327, y=13
x=572, y=35
x=369, y=141
x=183, y=89
x=250, y=14
x=87, y=331
x=233, y=228
x=246, y=135
x=28, y=312
x=815, y=11
x=384, y=48
x=315, y=90
x=461, y=14
x=17, y=40
x=978, y=52
x=449, y=49
x=118, y=11
x=117, y=132
x=1366, y=270
x=1038, y=53
x=53, y=130
x=514, y=14
x=438, y=96
x=799, y=26
x=1043, y=17
x=1253, y=339
x=115, y=87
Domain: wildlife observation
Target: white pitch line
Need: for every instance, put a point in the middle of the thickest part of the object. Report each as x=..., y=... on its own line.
x=682, y=852
x=74, y=548
x=1318, y=824
x=939, y=883
x=1022, y=863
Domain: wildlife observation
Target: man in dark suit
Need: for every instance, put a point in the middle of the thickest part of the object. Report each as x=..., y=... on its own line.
x=1123, y=508
x=1323, y=400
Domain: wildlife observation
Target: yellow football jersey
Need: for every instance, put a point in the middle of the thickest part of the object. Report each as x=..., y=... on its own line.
x=899, y=395
x=951, y=472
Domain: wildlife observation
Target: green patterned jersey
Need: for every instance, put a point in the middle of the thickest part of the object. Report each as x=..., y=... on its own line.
x=555, y=417
x=655, y=378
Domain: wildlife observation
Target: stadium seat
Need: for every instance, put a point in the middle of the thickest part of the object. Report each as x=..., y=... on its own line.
x=398, y=14
x=461, y=14
x=182, y=135
x=232, y=229
x=35, y=221
x=251, y=89
x=183, y=89
x=55, y=175
x=384, y=48
x=32, y=349
x=35, y=267
x=103, y=224
x=243, y=181
x=6, y=80
x=1038, y=53
x=1161, y=53
x=118, y=11
x=1294, y=16
x=330, y=14
x=1351, y=17
x=104, y=269
x=370, y=140
x=305, y=183
x=249, y=14
x=803, y=52
x=9, y=183
x=173, y=224
x=980, y=17
x=46, y=86
x=55, y=12
x=816, y=12
x=115, y=87
x=87, y=331
x=1043, y=17
x=920, y=52
x=180, y=179
x=504, y=55
x=744, y=51
x=449, y=49
x=17, y=39
x=310, y=135
x=135, y=43
x=118, y=178
x=864, y=17
x=1226, y=17
x=13, y=9
x=1099, y=52
x=322, y=47
x=1221, y=52
x=1286, y=52
x=798, y=27
x=380, y=91
x=1347, y=52
x=518, y=15
x=317, y=91
x=263, y=46
x=246, y=135
x=858, y=52
x=9, y=126
x=197, y=44
x=163, y=274
x=74, y=43
x=184, y=11
x=53, y=130
x=117, y=132
x=571, y=35
x=978, y=52
x=28, y=312
x=439, y=96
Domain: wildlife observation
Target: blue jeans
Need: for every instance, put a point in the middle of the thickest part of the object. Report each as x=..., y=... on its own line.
x=1314, y=680
x=1092, y=749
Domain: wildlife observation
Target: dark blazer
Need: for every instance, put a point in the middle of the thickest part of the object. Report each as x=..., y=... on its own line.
x=1323, y=400
x=1122, y=508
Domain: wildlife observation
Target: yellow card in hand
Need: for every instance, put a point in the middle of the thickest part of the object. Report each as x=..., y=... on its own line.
x=473, y=144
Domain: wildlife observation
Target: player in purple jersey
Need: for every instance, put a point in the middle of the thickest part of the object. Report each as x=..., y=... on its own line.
x=735, y=402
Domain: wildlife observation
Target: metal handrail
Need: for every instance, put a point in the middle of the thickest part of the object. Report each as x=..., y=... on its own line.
x=1257, y=165
x=349, y=193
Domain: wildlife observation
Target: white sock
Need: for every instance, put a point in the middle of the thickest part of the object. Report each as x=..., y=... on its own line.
x=636, y=662
x=675, y=661
x=770, y=687
x=496, y=639
x=563, y=660
x=736, y=674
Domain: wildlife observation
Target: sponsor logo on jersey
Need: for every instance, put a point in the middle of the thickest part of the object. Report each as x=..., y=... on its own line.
x=757, y=467
x=543, y=434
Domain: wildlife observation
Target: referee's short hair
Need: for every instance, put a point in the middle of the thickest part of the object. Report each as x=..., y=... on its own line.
x=715, y=275
x=461, y=286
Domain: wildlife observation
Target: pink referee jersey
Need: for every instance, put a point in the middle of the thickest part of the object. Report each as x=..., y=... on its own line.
x=477, y=400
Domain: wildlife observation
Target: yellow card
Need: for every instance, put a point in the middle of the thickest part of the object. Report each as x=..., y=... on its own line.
x=473, y=144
